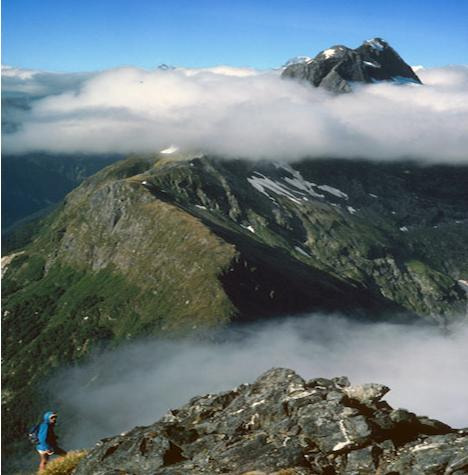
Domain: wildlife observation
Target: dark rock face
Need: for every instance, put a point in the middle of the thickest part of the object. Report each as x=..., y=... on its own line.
x=283, y=424
x=336, y=68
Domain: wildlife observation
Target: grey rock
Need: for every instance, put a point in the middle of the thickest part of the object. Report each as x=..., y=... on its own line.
x=402, y=416
x=439, y=454
x=363, y=461
x=366, y=393
x=281, y=422
x=433, y=427
x=341, y=382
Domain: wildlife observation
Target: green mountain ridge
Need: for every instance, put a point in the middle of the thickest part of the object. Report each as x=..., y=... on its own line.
x=171, y=246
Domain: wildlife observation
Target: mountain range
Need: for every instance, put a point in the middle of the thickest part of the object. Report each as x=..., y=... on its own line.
x=170, y=246
x=176, y=243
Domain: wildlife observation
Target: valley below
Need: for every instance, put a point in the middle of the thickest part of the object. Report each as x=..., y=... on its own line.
x=218, y=270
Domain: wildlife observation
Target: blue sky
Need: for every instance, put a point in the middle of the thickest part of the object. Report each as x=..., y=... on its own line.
x=84, y=35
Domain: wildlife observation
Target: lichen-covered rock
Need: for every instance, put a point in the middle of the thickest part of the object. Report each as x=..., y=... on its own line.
x=282, y=424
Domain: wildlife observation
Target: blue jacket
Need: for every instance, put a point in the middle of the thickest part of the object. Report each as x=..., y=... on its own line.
x=46, y=434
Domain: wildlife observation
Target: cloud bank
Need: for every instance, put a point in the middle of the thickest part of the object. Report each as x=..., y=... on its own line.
x=21, y=88
x=34, y=83
x=243, y=113
x=136, y=384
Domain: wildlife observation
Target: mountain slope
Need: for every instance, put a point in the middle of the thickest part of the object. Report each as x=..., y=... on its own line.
x=352, y=235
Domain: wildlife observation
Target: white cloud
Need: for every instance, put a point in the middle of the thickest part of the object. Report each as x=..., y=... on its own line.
x=223, y=70
x=243, y=112
x=33, y=83
x=137, y=383
x=17, y=73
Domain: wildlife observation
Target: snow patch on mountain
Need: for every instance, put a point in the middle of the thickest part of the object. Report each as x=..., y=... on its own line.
x=301, y=251
x=261, y=183
x=376, y=44
x=372, y=64
x=328, y=53
x=334, y=191
x=297, y=60
x=294, y=188
x=169, y=150
x=299, y=182
x=304, y=185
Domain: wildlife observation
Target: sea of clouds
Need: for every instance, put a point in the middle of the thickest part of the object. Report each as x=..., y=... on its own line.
x=140, y=381
x=236, y=112
x=242, y=112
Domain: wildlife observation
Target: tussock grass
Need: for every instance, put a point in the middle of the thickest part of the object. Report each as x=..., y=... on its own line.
x=283, y=471
x=64, y=465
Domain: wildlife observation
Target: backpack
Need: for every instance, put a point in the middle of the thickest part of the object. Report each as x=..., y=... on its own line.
x=33, y=434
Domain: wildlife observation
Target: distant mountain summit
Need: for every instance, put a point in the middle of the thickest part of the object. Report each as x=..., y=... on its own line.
x=338, y=67
x=165, y=67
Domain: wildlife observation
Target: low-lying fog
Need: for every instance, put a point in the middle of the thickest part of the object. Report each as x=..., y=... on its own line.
x=426, y=369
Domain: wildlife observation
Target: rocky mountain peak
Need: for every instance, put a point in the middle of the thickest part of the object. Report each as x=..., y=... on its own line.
x=333, y=53
x=337, y=68
x=283, y=423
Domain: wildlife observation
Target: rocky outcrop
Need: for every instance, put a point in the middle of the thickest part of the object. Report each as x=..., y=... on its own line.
x=283, y=424
x=338, y=67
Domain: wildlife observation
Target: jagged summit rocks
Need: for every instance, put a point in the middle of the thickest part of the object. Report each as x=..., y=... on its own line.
x=338, y=67
x=283, y=424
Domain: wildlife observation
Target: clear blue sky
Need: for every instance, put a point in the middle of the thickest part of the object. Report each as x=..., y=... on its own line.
x=81, y=35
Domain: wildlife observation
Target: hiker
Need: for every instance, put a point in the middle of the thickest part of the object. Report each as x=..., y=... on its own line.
x=47, y=445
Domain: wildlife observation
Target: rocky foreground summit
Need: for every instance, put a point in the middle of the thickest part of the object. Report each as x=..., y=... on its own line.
x=283, y=424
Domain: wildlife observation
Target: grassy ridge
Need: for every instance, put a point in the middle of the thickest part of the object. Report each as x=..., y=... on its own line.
x=88, y=281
